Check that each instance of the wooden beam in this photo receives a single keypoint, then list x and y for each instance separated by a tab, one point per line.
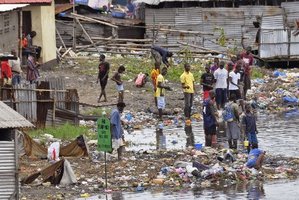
61	40
89	38
84	18
122	39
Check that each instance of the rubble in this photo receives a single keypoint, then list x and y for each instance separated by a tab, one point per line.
277	92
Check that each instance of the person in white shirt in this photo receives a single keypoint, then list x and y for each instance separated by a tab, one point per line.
15	68
233	82
221	76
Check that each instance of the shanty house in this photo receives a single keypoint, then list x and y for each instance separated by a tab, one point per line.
39	16
223	25
10	26
10	120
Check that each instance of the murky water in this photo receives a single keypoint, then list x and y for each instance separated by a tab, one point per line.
276	136
281	190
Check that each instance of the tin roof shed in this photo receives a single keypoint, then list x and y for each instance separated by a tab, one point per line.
9	118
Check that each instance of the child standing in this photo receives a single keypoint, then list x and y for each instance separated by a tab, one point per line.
249	121
119	83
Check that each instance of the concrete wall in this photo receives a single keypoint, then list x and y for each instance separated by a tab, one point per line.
43	22
9	31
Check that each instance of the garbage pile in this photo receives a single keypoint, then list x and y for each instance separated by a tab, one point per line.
210	167
277	92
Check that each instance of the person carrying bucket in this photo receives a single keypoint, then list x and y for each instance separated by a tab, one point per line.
249	121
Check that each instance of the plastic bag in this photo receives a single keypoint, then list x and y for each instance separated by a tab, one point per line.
53	152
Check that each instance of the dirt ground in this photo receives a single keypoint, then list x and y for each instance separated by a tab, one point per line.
90	174
136	99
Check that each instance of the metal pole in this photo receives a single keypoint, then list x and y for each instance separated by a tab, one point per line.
106	170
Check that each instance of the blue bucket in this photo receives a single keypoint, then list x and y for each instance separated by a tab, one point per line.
198	146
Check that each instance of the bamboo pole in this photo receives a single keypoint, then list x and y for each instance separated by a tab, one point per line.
84	18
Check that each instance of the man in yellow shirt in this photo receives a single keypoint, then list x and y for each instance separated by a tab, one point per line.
160	92
154	74
187	80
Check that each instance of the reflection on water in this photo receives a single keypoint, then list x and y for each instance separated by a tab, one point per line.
276	136
253	191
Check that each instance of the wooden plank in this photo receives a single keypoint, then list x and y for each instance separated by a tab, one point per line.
121	39
89	38
93	20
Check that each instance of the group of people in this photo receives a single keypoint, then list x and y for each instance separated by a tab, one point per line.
11	70
224	85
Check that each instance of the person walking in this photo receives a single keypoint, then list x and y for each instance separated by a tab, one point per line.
117	130
119	83
221	76
32	70
160	92
154	74
103	73
187	80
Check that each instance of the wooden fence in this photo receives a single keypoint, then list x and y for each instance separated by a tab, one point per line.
40	102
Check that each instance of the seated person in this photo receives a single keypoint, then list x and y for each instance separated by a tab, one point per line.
141	79
255	157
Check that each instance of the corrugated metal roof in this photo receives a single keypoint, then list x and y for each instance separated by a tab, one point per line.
9	118
24	1
156	2
291	9
273	43
8	7
7	170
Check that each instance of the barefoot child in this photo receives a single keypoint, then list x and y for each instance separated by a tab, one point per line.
119	83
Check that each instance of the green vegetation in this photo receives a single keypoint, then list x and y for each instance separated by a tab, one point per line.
65	132
257	72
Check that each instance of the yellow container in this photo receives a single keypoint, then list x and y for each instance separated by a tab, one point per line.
246	143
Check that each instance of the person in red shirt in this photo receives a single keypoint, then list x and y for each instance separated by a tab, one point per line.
6	73
248	59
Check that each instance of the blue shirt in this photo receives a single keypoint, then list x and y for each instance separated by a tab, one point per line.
250	123
252	157
116	124
130	7
162	52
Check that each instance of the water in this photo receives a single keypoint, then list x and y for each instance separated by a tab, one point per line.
276	136
279	190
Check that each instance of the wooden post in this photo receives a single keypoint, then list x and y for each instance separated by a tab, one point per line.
21	33
74	27
54	108
61	39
